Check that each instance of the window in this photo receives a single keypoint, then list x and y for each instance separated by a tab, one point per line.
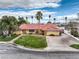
31	30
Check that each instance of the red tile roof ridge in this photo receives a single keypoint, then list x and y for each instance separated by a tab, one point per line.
38	26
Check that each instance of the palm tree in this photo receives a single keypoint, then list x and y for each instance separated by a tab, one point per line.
39	16
49	18
54	20
27	20
65	22
26	17
32	18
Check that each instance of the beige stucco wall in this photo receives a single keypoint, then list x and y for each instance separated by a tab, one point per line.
45	32
18	32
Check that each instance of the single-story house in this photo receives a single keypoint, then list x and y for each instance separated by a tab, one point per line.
44	29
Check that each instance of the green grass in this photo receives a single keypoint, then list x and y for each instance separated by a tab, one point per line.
32	41
7	38
75	46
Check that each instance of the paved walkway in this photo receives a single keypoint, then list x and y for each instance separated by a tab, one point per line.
60	42
12	41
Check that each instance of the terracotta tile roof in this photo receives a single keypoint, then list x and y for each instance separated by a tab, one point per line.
39	26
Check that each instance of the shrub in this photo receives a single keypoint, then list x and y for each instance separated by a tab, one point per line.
75	46
7	38
74	33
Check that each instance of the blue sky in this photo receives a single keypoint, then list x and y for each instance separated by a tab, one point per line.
66	7
30	7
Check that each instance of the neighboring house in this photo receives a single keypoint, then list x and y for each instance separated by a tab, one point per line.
44	29
18	32
76	25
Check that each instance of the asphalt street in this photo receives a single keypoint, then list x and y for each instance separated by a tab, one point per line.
8	51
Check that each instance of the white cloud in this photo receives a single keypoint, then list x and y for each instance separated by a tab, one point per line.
24	14
45	15
71	17
29	3
33	12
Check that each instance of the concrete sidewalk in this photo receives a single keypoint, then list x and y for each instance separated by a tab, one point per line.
12	41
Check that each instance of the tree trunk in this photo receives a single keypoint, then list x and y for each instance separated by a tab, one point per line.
10	32
5	32
38	21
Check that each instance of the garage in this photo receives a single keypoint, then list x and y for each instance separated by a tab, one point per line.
53	33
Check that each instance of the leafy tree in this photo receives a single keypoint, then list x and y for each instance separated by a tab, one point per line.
13	24
22	20
39	16
74	30
8	24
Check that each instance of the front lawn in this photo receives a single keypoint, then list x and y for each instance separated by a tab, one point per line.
7	38
75	46
32	41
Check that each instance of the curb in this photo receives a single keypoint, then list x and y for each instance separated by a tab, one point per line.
15	38
39	50
66	32
3	42
29	49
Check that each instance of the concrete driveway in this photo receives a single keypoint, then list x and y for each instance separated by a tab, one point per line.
60	42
